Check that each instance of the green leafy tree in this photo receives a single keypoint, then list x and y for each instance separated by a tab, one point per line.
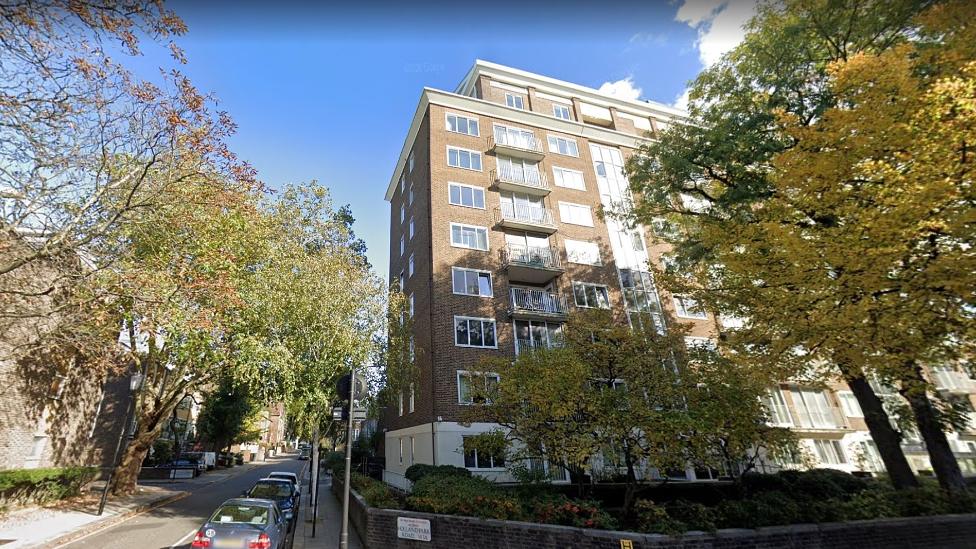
228	415
820	191
638	399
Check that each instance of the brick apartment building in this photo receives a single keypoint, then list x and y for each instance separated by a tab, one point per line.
495	238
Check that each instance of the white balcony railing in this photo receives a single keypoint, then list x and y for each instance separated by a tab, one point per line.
819	418
520	176
522	142
529	345
951	380
527	300
540	257
520	213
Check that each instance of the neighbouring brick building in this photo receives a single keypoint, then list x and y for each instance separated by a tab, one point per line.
495	238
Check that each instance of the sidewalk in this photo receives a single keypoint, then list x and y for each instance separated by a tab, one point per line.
328	525
73	518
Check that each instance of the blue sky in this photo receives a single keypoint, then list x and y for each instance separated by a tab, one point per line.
328	94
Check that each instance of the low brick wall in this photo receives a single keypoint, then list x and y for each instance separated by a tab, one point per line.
378	530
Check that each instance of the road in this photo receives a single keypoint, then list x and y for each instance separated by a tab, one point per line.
173	525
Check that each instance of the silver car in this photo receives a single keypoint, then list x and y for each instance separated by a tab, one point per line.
244	523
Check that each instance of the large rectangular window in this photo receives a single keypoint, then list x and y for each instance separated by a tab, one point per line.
462	124
514	101
849	404
830	451
561	111
473	387
469	236
474	332
687	307
585	253
592	296
536	334
463	158
575	214
466	195
480	459
515	137
779	413
814	409
471	282
570	179
561	145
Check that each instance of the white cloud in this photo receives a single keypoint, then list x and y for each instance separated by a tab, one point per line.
681	102
719	24
623	89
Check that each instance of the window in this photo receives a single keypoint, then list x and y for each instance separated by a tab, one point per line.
412	352
410	265
687	307
472	282
411	402
585	253
403	183
474	332
486	383
830	451
400	407
412	449
469	236
560	111
463	158
475	459
871	456
849	404
411	161
592	296
410	198
641	299
400	440
411	305
814	410
403	213
403	245
466	195
516	137
576	214
561	145
411	228
514	101
779	413
535	334
518	170
571	179
403	280
462	124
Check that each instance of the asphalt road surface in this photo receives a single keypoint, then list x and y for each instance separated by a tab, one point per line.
174	525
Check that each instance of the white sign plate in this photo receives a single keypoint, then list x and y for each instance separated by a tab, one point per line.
411	528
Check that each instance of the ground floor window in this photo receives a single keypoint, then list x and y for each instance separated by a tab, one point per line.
829	451
475	459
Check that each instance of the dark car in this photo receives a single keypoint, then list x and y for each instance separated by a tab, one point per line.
280	491
304	453
243	522
187	463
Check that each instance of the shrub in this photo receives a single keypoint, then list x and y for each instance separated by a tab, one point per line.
162	452
333	461
420	470
463	495
559	509
39	486
820	484
694	515
652	518
376	493
763	509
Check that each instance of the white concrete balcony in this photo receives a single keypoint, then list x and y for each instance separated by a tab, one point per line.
532	182
530	303
524	146
532	264
526	218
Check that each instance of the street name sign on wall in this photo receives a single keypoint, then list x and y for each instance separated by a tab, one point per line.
411	528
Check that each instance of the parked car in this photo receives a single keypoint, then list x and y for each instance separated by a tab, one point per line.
304	454
244	522
279	490
290	477
188	462
209	459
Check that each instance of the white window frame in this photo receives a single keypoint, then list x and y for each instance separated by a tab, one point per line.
400	441
849	404
411	231
556	180
559	107
403	213
550	138
491	282
481	319
517	101
474	189
481	160
778	401
403	244
403	280
410	196
403	183
484	375
413	450
574	206
400	406
477	459
411	403
466	226
606	293
477	123
410	265
682	310
836	448
411	161
573	257
411	306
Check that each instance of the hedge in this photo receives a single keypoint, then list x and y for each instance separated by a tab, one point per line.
39	486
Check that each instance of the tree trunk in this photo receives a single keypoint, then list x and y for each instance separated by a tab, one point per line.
127	473
631	490
886	437
915	391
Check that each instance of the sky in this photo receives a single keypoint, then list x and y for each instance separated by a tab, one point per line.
327	93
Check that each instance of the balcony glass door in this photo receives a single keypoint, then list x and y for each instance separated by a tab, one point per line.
514	137
522	207
529	249
519	171
532	334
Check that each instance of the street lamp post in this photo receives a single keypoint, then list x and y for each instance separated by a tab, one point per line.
344	532
135	383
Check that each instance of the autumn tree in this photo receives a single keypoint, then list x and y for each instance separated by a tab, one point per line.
820	191
613	397
228	414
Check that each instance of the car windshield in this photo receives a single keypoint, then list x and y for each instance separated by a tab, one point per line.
270	490
241	514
